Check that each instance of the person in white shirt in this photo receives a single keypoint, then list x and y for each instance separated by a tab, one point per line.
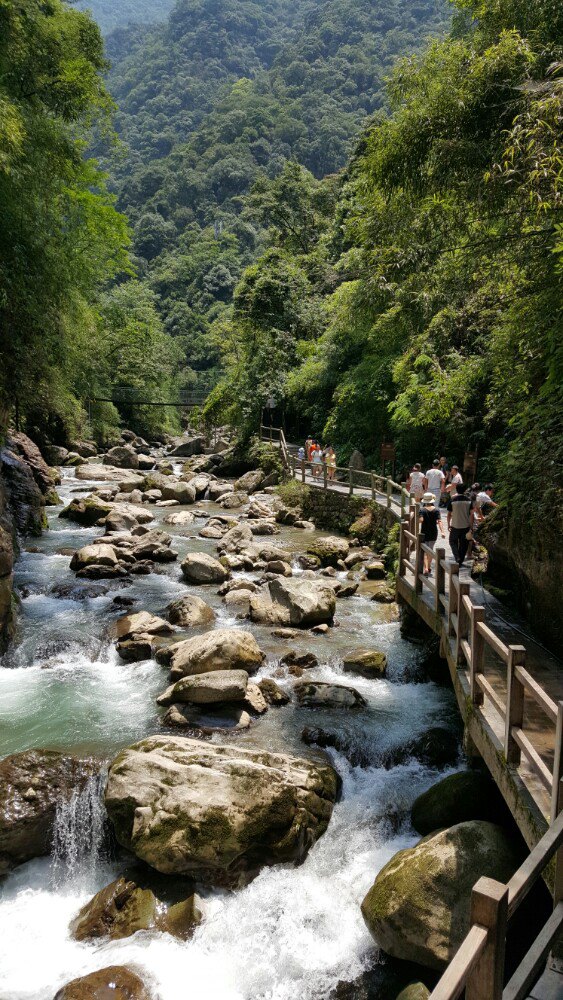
484	501
416	483
455	480
435	480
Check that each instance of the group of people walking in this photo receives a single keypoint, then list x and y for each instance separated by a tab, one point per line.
318	456
466	508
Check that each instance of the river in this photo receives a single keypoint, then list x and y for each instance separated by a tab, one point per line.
293	932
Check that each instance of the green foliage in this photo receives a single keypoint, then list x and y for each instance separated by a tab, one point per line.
111	15
266	457
292	493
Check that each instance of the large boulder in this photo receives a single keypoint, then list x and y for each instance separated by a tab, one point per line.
178	490
207	689
31	784
87	510
329	549
114	983
308	602
100	555
86	449
218	813
319	694
192	446
127	479
123	456
24	446
141	622
459	798
418	906
199	567
236	539
218	490
25	499
250	482
222	649
123	908
366	662
190	612
55	454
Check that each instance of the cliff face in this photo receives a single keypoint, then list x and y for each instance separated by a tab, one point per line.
26	485
528	564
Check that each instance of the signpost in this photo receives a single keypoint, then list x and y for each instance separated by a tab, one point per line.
388	454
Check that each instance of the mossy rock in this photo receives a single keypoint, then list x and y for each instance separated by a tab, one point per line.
115	912
414	991
418	906
469	795
366	663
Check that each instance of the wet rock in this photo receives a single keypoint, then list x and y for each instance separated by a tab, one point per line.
315	736
190	612
31	784
198	567
304	660
86	449
437	747
232	501
250	482
236	539
255	701
183	493
146	462
136	648
286	633
383	594
375	570
141	621
238	602
55	455
207	689
191	446
218	490
204	720
306	602
211	531
279	567
24	498
459	798
114	983
273	694
100	555
229	811
122	457
414	991
329	549
79	592
117	911
365	662
127	479
320	629
179	517
264	528
318	694
222	649
418	906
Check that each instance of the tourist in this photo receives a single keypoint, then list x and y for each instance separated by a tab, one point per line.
330	459
454	480
484	501
301	454
460	522
308	447
316	459
435	479
444	467
430	523
416	483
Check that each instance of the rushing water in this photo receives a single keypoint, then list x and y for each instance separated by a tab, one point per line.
293	932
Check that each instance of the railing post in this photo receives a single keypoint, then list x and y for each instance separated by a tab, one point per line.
325	475
453	580
418	564
293	466
462	620
489	909
477	654
557	790
440	578
372	480
351	476
389	491
403	497
403	546
514	703
303	463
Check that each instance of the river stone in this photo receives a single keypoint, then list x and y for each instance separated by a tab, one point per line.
437	747
250	482
238	601
221	649
236	539
319	694
123	456
198	567
273	694
217	812
205	720
414	991
178	517
255	701
179	491
136	648
461	797
218	490
309	602
191	446
141	621
101	555
329	549
190	612
207	689
31	784
114	983
86	511
375	570
117	911
124	477
418	906
365	662
231	501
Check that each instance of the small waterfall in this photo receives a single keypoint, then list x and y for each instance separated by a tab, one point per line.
80	836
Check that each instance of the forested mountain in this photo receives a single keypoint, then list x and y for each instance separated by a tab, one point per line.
110	14
221	95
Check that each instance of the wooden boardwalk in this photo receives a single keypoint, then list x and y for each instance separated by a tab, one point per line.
509	690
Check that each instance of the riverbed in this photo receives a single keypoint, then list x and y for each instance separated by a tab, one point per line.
293	932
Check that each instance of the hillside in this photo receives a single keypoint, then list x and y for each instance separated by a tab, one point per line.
111	15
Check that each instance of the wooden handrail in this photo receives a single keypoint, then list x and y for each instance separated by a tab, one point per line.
452	983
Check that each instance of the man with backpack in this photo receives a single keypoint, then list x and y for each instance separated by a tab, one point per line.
460	522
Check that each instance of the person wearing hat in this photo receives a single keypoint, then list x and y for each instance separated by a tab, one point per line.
430	523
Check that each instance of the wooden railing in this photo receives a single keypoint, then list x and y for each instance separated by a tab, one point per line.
359	481
470	639
478	965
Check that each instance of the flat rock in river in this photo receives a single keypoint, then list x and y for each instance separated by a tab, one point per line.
318	694
221	649
111	474
217	812
198	567
207	689
190	612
